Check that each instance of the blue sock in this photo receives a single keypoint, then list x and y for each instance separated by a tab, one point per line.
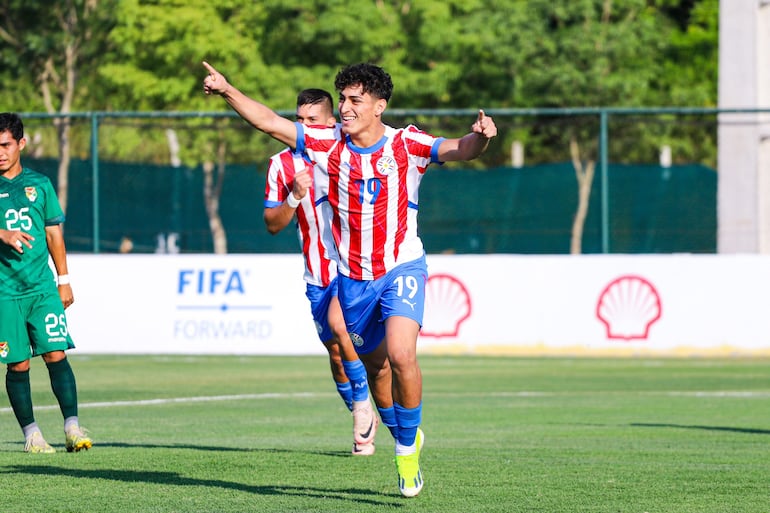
346	392
356	373
408	420
388	416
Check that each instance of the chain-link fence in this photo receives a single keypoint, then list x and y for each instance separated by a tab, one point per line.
137	181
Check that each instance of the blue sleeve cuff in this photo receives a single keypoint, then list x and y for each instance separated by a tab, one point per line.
300	137
434	150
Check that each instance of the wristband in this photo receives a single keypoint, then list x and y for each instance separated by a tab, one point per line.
292	201
64	279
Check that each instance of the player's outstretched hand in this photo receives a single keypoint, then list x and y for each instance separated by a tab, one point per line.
485	126
215	82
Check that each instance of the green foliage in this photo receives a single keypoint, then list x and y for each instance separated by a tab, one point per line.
160	49
145	55
42	37
692	66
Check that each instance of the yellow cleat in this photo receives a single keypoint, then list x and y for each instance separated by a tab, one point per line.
77	439
409	475
36	444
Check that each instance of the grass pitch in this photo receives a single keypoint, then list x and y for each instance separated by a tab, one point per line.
269	434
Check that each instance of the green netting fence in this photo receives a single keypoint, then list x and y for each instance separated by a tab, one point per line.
530	210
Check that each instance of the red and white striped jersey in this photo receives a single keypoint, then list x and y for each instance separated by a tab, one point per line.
373	194
313	219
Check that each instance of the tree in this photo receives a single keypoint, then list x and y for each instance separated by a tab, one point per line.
141	55
53	45
160	49
584	173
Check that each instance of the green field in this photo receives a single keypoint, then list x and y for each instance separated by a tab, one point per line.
269	434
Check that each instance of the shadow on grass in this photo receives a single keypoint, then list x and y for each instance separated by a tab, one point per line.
212	448
174	479
751	431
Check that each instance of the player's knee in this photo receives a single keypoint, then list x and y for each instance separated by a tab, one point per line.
54	356
339	330
19	366
402	358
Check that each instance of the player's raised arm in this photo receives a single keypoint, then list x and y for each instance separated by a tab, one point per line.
257	114
472	144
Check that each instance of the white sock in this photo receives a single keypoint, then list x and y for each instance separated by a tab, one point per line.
70	422
30	429
405	450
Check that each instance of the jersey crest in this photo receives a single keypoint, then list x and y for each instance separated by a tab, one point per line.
31	193
386	165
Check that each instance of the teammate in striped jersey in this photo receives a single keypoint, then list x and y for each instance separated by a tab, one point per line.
372	173
32	320
289	189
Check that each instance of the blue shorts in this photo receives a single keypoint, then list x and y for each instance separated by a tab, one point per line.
320	297
366	304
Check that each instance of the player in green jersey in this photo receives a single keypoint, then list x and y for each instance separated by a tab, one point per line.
32	320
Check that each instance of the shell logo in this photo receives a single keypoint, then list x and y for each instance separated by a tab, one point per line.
447	306
628	306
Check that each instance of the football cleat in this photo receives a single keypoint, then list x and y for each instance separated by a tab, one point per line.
364	423
77	439
36	444
363	449
409	474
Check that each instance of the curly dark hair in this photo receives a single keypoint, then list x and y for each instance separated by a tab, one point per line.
12	122
372	78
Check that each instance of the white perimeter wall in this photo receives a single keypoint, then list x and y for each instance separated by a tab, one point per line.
622	305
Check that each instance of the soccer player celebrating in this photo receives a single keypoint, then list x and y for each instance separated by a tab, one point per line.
32	320
372	173
289	189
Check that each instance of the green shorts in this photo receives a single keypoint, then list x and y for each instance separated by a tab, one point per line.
31	326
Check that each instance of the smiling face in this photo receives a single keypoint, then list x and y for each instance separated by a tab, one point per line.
10	154
360	115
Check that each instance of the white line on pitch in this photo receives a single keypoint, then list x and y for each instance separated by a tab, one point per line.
277	395
178	400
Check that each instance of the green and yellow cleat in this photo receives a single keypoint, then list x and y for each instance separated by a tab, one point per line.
36	444
77	439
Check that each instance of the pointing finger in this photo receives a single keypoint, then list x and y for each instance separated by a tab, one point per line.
481	115
209	67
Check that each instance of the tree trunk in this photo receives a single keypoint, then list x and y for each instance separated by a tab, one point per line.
65	91
585	177
212	191
63	129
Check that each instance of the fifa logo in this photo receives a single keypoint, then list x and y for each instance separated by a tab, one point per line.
210	281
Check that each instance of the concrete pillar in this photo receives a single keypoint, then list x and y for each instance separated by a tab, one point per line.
743	198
